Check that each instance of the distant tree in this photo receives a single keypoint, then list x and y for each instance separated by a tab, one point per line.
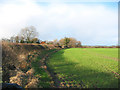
69	42
5	40
17	39
55	42
66	41
61	41
49	42
12	39
21	39
78	44
72	42
38	41
28	33
34	40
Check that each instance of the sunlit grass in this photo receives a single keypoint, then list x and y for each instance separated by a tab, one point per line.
77	65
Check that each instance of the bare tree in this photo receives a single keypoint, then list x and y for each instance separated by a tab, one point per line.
29	33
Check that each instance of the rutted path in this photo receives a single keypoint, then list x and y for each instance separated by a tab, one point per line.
51	73
55	80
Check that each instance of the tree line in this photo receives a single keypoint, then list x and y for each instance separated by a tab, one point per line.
66	42
30	35
26	35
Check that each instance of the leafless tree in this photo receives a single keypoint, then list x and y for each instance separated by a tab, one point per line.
28	33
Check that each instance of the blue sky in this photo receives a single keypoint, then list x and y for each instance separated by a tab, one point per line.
93	23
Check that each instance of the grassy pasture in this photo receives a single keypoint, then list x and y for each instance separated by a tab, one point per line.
86	67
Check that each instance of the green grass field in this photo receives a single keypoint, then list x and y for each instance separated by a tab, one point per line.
86	67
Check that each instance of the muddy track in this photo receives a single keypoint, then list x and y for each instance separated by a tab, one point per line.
49	71
54	77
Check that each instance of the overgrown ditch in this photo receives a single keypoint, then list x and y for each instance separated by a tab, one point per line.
47	77
25	65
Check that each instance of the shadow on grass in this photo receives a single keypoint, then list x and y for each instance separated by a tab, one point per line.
70	72
40	73
44	78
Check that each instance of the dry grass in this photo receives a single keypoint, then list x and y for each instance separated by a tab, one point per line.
16	63
32	83
27	80
30	72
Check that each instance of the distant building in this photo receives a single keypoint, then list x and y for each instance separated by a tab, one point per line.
42	42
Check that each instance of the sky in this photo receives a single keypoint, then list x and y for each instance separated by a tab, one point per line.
93	23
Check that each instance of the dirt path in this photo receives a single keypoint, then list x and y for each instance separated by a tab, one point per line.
54	78
51	73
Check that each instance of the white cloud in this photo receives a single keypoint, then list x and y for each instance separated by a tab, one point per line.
95	24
